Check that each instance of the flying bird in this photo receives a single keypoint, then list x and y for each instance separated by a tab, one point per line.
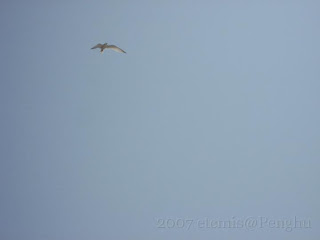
104	46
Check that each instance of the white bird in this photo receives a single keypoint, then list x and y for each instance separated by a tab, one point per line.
104	46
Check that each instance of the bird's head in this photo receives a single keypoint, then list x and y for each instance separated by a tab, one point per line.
105	44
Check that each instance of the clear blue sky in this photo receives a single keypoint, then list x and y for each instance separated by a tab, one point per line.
212	113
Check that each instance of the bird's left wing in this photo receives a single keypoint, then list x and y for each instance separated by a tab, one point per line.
97	46
115	48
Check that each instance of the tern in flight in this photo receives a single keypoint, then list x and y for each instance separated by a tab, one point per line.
104	46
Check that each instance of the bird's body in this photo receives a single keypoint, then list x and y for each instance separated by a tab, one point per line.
105	46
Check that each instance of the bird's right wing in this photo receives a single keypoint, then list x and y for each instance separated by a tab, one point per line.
115	48
97	46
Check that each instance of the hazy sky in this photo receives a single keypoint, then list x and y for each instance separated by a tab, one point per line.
213	113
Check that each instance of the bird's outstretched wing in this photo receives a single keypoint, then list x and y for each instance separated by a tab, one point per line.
97	46
115	48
